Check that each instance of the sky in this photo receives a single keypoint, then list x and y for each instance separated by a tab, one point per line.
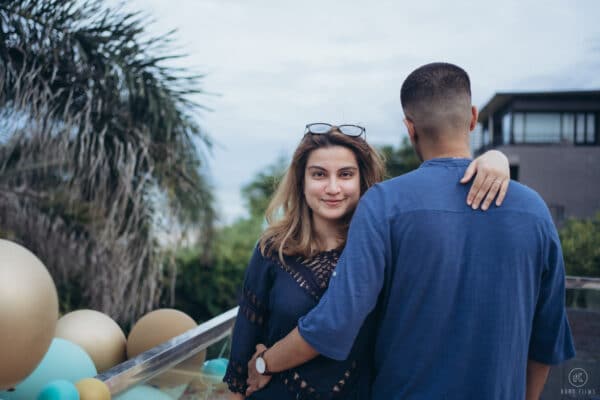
271	66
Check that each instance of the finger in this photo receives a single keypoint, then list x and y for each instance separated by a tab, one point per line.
484	188
476	187
469	172
491	194
503	190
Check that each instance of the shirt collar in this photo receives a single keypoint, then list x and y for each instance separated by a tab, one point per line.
446	162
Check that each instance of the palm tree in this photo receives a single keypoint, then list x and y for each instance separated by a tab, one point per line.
100	152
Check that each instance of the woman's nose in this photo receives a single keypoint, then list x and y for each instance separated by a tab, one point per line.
332	186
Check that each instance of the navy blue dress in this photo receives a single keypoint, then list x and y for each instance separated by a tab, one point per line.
274	296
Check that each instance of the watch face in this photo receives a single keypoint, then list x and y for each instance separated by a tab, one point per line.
260	365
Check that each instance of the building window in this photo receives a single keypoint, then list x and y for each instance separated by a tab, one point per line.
535	127
542	127
506	121
580	128
519	128
568	127
590	129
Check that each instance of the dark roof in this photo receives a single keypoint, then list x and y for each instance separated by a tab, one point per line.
501	99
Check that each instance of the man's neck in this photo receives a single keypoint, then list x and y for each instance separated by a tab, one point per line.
445	151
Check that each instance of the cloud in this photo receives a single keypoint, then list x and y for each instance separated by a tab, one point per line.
280	65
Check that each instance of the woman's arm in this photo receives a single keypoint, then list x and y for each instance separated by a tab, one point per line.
250	323
492	176
235	396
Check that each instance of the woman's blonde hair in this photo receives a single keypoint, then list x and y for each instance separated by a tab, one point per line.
289	230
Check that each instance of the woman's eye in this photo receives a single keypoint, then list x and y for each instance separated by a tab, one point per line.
317	174
347	174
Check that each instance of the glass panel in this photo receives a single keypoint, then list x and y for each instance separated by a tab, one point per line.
580	128
506	128
568	127
542	127
591	129
197	378
519	127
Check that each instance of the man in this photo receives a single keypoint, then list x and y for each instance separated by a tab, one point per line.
469	305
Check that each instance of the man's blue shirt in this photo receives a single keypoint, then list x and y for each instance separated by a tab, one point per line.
462	298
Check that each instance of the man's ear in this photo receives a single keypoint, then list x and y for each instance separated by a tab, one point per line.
474	116
410	127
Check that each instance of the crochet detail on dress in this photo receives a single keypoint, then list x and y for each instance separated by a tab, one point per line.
253	308
236	377
322	266
298	385
314	277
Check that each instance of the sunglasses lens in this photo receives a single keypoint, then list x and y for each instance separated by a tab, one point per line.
351	130
319	128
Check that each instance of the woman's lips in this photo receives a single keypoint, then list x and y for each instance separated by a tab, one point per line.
332	202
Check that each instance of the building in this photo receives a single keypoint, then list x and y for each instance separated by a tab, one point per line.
552	141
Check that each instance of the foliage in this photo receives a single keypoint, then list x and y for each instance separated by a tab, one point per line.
259	191
205	290
580	241
399	160
98	150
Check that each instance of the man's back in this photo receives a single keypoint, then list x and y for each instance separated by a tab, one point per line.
461	289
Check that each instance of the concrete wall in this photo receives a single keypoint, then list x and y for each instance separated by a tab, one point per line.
565	175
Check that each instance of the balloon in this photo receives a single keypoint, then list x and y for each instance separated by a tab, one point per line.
97	334
157	327
92	389
64	360
28	312
216	367
59	390
143	392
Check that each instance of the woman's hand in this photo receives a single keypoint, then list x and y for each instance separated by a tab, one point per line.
255	380
492	176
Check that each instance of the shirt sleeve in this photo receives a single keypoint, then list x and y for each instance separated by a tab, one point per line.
332	326
250	324
551	341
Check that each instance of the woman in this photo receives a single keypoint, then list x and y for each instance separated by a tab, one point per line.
289	271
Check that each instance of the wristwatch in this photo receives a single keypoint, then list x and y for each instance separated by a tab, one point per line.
261	364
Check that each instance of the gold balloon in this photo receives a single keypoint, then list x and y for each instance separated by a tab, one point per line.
157	327
92	389
28	312
97	334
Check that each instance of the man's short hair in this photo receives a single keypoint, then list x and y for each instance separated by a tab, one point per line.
437	98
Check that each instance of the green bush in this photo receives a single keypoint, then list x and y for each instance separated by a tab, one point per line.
581	246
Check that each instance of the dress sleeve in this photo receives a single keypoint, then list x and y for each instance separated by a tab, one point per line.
250	324
551	341
333	325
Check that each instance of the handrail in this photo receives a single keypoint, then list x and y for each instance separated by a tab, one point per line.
582	282
169	354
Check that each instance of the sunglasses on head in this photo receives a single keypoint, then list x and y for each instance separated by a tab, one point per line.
322	128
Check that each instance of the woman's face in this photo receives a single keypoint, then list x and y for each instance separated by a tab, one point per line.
331	183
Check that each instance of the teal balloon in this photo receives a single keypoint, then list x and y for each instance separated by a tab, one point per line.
59	390
64	360
216	367
143	392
